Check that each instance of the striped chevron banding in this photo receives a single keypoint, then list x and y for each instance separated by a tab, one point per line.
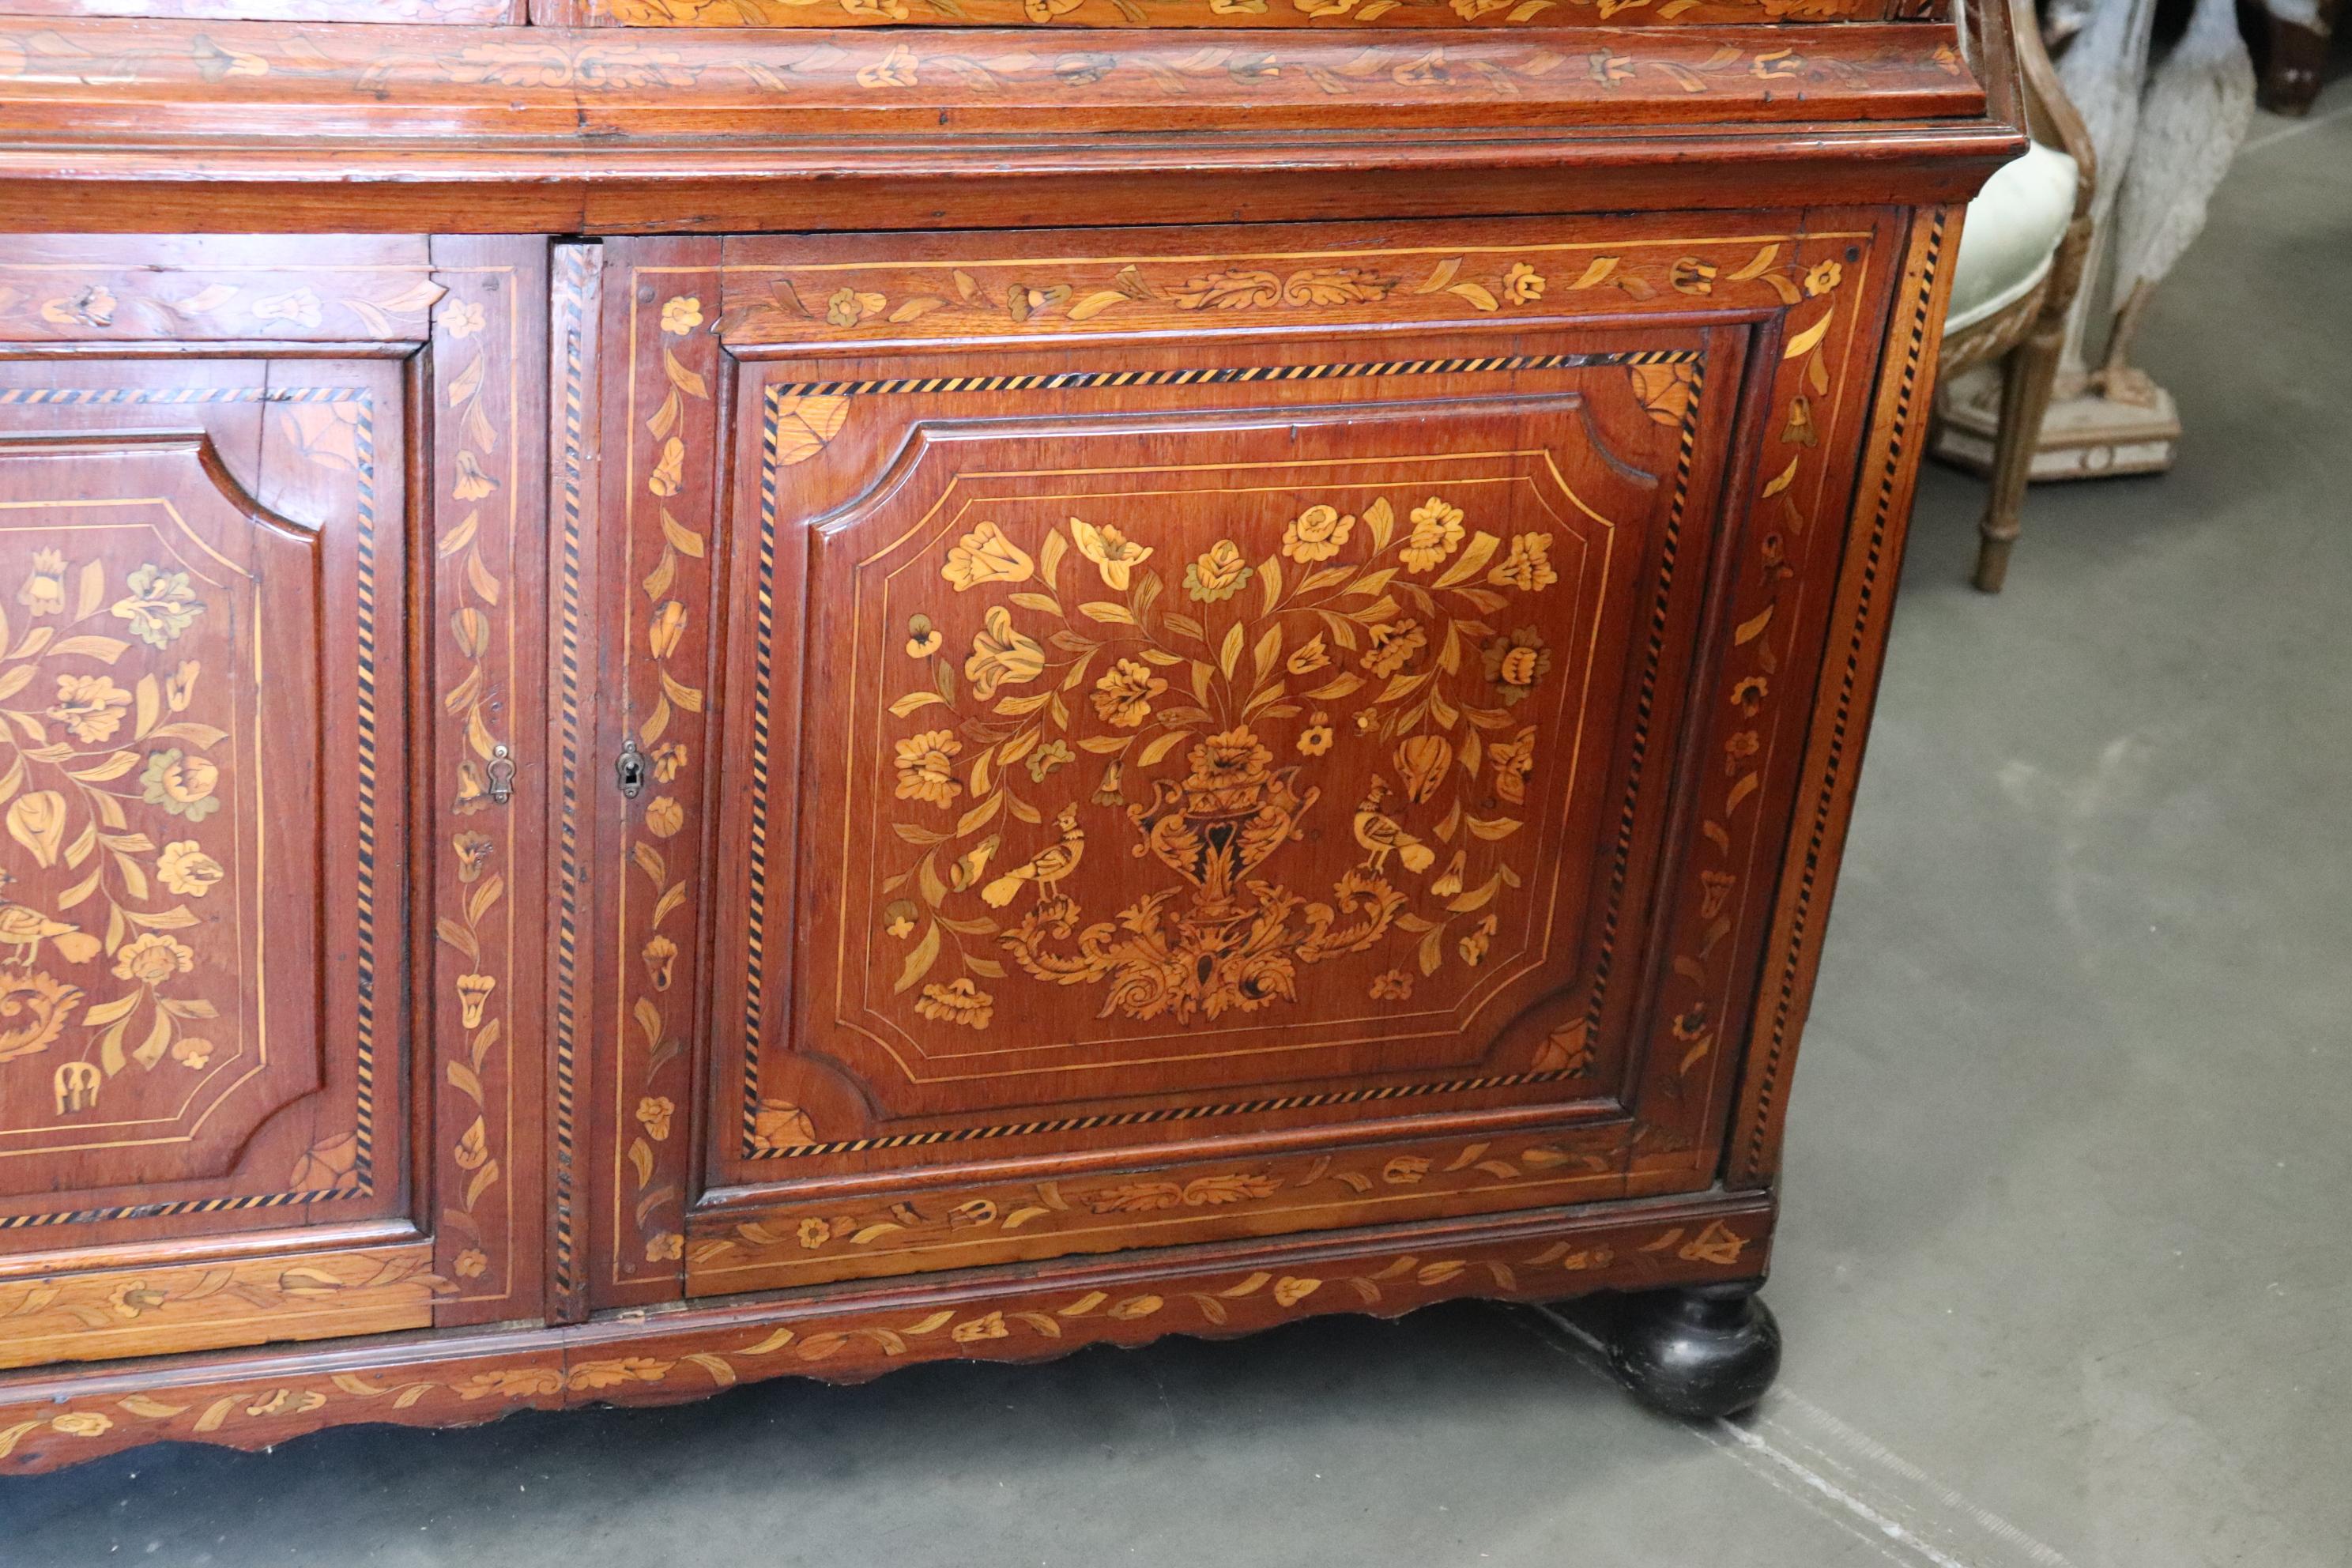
1172	1113
570	306
1622	857
762	680
171	396
363	1108
1068	380
364	1160
165	1211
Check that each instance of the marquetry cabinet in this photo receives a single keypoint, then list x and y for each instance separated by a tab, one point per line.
693	692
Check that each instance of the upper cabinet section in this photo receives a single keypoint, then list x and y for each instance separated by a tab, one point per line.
445	13
805	116
827	95
1339	15
1244	14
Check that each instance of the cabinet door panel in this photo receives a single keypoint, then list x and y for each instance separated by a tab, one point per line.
196	751
270	706
1172	762
1199	738
1228	739
159	820
204	805
1238	793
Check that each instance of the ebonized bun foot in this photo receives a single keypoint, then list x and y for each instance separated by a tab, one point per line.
1697	1354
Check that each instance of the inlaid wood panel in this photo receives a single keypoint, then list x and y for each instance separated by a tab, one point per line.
1848	684
885	1229
189	289
106	1313
205	806
487	777
1139	742
637	543
271	712
1409	618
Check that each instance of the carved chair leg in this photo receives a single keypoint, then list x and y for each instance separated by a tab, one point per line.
1700	1353
2027	375
2294	55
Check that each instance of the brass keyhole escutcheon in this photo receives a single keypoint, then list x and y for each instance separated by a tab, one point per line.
629	768
501	775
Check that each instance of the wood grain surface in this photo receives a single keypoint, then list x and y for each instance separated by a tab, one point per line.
693	691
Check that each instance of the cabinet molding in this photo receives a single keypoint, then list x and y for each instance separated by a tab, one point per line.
463	1379
1337	16
163	1311
900	78
576	299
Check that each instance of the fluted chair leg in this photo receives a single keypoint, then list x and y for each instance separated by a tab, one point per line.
2028	374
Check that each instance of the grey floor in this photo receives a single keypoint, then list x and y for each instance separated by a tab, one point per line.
2065	1269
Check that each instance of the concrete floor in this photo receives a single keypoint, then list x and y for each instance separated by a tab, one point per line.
2063	1272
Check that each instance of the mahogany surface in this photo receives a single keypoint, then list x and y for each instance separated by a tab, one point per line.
699	691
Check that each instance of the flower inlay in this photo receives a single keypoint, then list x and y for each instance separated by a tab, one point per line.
1358	676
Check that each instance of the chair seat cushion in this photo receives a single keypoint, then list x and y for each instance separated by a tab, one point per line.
2012	231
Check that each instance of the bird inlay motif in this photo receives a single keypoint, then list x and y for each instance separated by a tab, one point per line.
1226	693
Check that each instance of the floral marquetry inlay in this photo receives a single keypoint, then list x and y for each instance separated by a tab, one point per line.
1477	283
117	756
1044	1218
482	587
665	561
76	1317
1381	672
195	686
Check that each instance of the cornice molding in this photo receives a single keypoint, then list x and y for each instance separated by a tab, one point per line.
226	127
395	86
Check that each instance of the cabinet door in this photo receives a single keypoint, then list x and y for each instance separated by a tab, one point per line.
258	781
1208	735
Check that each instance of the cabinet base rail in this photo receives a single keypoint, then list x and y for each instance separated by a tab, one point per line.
253	1399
